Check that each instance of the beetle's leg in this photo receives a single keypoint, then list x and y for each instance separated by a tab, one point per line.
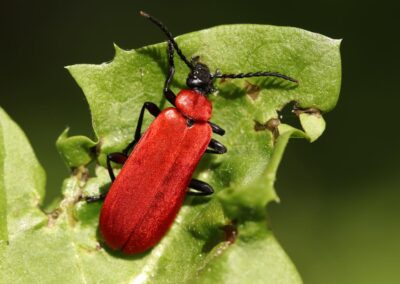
155	111
90	199
216	129
202	188
118	158
216	147
171	71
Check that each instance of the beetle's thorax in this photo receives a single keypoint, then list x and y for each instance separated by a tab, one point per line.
194	105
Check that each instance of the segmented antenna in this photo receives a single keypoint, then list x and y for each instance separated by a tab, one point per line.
169	36
255	74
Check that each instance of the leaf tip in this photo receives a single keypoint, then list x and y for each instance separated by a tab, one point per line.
338	42
71	69
68	67
118	50
63	135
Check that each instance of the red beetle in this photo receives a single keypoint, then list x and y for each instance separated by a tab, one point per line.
145	198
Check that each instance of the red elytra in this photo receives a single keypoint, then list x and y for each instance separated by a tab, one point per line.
149	190
145	198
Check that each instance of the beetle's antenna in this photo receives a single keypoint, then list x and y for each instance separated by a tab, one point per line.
169	36
255	74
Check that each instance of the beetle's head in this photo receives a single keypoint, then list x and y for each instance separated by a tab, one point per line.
200	78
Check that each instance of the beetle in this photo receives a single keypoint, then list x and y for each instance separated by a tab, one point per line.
157	170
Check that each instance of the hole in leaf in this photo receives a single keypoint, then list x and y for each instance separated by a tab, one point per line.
311	110
288	116
271	125
231	232
252	90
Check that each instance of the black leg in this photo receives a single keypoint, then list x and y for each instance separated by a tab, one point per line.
216	147
155	111
90	199
171	71
202	188
118	158
216	129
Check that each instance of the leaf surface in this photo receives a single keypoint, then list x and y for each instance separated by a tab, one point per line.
224	238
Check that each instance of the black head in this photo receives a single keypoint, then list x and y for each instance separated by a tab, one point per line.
200	79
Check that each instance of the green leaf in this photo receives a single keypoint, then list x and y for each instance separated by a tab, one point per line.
224	238
22	184
255	259
75	151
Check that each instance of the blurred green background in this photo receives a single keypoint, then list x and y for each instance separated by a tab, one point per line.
339	215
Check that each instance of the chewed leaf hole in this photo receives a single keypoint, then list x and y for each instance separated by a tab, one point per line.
270	125
253	91
311	110
231	232
308	121
288	116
